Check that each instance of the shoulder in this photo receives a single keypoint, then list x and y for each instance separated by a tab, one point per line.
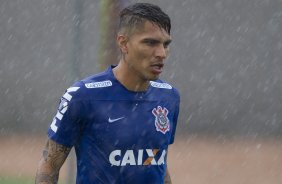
83	88
165	88
99	80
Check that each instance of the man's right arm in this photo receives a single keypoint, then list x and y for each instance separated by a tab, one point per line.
53	157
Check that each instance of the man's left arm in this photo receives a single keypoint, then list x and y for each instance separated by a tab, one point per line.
167	179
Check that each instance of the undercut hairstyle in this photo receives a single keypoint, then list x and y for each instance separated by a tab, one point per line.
135	15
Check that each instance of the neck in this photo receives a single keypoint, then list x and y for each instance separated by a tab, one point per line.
129	79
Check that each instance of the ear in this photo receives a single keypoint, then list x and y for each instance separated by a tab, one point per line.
122	43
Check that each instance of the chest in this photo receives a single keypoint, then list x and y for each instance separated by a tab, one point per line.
130	124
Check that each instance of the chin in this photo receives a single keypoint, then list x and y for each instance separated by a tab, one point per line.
153	78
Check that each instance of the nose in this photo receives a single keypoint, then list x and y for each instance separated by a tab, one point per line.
161	52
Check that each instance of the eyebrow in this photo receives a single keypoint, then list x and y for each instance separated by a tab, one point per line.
167	42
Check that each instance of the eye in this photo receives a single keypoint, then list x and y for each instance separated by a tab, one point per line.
166	44
151	42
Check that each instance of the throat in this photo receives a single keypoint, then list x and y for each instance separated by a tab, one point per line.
131	83
140	87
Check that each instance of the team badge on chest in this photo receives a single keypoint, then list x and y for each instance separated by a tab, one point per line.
161	119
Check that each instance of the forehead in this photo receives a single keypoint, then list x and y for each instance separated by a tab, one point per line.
150	30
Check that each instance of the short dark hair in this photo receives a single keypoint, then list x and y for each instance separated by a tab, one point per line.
136	14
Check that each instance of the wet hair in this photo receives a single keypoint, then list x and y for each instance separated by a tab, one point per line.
135	15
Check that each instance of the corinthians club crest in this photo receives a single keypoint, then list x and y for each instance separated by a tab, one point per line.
161	120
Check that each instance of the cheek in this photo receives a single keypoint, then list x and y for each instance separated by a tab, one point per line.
145	53
140	55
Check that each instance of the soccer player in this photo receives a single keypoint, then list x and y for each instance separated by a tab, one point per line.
120	121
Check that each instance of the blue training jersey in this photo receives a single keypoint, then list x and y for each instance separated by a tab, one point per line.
119	136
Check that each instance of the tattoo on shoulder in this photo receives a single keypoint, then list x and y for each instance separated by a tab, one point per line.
55	147
45	151
55	154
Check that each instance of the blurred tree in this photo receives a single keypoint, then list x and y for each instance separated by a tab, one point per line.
76	46
109	19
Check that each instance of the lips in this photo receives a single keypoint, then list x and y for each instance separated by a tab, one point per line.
157	68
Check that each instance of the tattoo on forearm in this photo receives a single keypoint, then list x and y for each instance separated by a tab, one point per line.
47	178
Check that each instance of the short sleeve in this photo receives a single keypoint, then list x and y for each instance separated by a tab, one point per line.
67	124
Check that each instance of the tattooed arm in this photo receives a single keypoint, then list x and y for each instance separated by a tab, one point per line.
54	155
167	179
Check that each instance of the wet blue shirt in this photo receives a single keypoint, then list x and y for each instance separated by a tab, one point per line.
119	136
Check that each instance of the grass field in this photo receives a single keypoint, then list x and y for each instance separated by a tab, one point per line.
15	180
18	180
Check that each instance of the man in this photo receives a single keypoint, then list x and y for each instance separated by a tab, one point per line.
120	121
